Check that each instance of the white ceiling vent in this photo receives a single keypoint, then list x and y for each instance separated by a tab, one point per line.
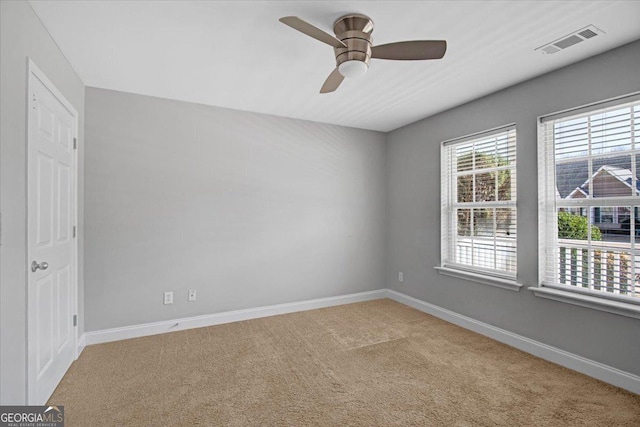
569	40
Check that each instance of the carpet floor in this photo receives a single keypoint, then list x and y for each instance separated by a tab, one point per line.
377	363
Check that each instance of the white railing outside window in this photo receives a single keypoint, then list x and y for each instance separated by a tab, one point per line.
589	190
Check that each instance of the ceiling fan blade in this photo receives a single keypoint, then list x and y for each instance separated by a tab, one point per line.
332	82
411	50
308	29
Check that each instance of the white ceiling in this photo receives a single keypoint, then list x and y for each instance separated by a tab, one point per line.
236	54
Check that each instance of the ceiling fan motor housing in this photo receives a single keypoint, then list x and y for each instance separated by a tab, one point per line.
354	31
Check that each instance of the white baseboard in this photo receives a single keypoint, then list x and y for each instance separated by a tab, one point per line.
126	332
82	342
577	363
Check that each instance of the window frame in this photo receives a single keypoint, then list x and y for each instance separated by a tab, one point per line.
623	305
449	267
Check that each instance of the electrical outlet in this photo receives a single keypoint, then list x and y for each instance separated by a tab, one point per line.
400	276
168	298
192	294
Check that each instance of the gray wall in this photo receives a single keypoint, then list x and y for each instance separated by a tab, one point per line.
22	35
414	211
248	209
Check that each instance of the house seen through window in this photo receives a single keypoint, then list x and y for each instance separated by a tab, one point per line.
592	201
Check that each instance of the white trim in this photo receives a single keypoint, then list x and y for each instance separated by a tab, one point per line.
596	202
504	283
82	343
480	134
146	329
602	372
589	108
597	303
36	72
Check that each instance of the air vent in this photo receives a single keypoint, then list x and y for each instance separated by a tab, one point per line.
587	34
569	40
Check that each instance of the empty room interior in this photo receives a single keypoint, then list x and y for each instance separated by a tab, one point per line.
367	213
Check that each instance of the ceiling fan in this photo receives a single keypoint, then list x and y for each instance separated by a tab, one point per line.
353	47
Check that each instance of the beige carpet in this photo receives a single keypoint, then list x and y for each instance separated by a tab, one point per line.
375	363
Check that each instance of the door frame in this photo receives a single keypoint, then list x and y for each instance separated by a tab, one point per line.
34	72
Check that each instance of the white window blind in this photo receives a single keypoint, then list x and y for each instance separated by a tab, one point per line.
478	229
589	190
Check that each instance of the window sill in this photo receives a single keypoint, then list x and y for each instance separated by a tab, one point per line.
484	279
616	307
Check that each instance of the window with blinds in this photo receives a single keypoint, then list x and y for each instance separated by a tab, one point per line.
479	202
589	189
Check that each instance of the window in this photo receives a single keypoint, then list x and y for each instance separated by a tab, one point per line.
589	186
479	203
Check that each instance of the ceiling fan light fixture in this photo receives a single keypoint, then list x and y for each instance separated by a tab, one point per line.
353	68
353	47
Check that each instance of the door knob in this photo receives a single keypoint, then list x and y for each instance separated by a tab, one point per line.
42	266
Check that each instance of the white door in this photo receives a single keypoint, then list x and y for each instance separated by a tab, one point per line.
51	194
